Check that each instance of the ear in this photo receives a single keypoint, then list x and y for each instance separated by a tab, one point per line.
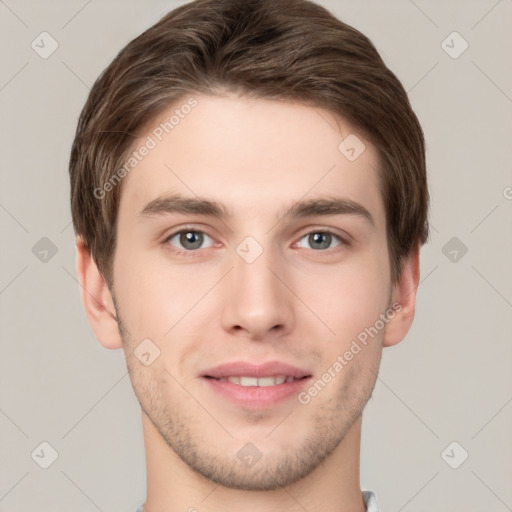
96	299
404	296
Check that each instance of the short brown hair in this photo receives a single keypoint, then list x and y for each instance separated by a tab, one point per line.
276	49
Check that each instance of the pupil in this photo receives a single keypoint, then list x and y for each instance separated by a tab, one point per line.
189	237
316	238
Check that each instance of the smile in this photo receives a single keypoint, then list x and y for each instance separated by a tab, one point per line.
257	381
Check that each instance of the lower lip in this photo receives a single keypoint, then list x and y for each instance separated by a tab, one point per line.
257	397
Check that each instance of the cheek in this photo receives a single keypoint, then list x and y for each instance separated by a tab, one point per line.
137	293
352	296
155	294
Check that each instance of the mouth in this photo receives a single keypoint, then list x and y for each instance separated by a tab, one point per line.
248	381
253	386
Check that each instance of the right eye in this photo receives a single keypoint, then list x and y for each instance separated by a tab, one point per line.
189	239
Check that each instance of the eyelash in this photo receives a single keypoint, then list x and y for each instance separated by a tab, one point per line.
195	252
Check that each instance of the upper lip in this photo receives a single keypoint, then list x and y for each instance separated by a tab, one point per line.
247	369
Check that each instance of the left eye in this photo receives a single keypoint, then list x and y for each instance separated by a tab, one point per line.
189	239
321	239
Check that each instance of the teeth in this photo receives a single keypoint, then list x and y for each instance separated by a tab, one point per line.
255	381
248	381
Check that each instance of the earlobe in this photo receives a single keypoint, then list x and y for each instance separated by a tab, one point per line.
404	295
97	299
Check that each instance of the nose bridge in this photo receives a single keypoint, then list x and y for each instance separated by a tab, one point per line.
257	300
253	263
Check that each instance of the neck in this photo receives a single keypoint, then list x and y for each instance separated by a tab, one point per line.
172	485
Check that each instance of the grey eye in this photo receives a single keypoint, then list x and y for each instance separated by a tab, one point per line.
320	239
189	239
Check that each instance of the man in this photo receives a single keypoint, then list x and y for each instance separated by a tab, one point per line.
248	190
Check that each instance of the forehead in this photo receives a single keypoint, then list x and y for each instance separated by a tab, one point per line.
251	155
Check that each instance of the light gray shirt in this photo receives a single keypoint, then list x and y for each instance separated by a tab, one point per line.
368	497
370	501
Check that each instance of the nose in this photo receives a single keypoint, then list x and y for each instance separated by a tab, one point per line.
257	303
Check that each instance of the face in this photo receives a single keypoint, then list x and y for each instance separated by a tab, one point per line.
232	300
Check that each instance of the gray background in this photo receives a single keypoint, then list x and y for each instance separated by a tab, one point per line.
450	380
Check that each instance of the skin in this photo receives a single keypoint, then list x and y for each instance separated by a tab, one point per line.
296	303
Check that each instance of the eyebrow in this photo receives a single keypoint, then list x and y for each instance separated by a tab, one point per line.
325	206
